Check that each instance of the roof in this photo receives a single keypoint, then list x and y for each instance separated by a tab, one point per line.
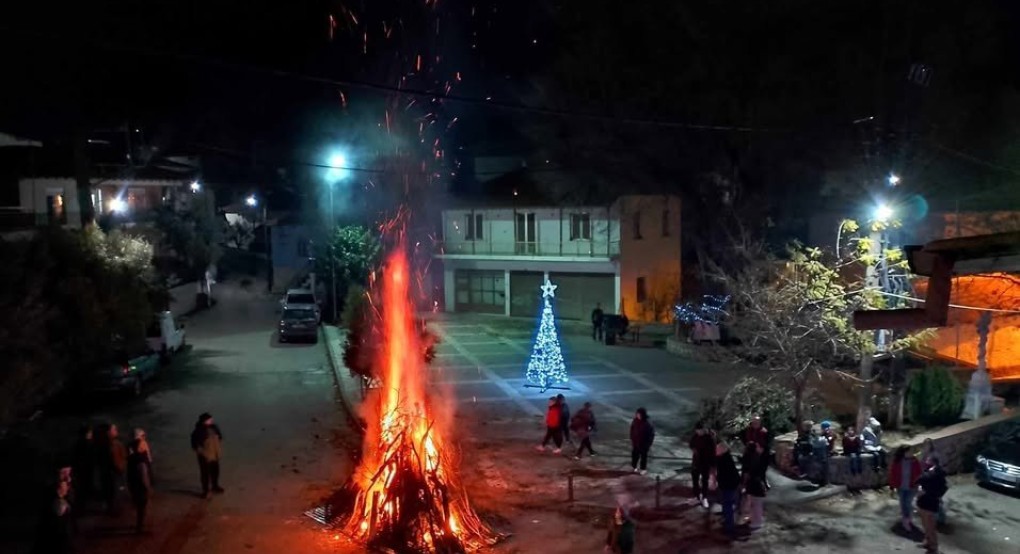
970	255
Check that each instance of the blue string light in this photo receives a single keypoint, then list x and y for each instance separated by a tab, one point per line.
546	367
711	309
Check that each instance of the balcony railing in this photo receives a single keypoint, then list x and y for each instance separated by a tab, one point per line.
564	249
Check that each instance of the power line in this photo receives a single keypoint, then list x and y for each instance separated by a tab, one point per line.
389	89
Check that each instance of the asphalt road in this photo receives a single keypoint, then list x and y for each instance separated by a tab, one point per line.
284	439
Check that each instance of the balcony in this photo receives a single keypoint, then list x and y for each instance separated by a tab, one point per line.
565	249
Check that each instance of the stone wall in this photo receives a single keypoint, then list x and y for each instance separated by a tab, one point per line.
953	445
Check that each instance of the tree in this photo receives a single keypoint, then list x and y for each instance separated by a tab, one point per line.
792	315
193	234
546	367
353	253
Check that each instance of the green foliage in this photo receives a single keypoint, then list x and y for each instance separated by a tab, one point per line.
194	234
935	397
751	396
353	252
68	301
360	317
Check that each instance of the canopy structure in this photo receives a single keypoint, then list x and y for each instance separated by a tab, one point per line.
940	261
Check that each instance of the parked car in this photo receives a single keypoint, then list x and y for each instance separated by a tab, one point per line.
302	299
127	374
299	323
999	465
164	335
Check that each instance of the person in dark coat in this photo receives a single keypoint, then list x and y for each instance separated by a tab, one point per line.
56	528
728	479
757	433
702	445
207	442
933	486
642	435
621	537
564	417
583	425
753	484
553	429
597	318
83	468
112	462
139	481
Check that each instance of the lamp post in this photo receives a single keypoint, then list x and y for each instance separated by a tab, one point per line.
253	202
337	171
876	277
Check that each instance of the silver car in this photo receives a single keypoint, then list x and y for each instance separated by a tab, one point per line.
302	298
299	323
1000	465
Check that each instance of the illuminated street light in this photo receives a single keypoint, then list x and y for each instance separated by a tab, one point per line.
337	167
251	201
118	206
195	186
883	213
894	179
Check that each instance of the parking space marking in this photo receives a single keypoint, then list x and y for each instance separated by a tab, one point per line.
668	393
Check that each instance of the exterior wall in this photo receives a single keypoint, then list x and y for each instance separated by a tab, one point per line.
551	233
654	256
141	196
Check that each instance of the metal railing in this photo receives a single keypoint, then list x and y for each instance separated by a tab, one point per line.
565	249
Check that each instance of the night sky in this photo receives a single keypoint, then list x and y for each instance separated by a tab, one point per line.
765	95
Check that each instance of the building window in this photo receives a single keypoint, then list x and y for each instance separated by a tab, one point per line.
637	225
580	226
524	232
642	294
665	223
480	288
473	230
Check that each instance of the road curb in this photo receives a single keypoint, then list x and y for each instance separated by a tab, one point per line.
346	384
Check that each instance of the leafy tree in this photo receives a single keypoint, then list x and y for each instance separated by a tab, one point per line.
935	397
193	234
353	253
792	315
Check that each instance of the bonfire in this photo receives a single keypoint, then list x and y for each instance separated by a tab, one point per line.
405	494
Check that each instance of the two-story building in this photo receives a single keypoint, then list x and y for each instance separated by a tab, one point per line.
624	256
54	200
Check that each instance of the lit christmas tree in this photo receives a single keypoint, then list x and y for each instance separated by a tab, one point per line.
546	368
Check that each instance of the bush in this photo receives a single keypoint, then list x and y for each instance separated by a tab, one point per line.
934	397
751	396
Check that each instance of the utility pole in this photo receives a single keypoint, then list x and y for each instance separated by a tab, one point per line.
332	253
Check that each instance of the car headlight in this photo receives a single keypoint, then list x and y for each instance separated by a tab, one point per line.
981	460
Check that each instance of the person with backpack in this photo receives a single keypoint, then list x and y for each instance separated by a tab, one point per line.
642	435
933	487
553	430
583	425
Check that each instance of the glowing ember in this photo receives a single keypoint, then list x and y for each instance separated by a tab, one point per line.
407	497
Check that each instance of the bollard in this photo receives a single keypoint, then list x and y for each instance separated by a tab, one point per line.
570	487
658	494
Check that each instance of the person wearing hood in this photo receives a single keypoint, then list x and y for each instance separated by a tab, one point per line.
620	539
871	436
206	441
642	435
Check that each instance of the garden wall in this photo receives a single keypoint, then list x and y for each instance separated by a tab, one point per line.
954	445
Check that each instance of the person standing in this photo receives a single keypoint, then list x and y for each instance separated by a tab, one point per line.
757	433
583	425
56	528
728	479
642	435
597	318
930	458
553	430
207	442
564	418
820	457
139	481
754	485
702	446
852	449
83	468
903	476
112	462
621	537
933	486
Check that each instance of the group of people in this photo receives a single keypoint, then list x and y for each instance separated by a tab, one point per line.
559	425
102	465
814	447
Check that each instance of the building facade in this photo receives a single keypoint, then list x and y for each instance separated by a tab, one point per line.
625	256
54	200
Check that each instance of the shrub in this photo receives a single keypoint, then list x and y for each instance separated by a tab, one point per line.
751	396
934	397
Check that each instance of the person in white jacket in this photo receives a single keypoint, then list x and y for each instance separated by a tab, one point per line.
872	439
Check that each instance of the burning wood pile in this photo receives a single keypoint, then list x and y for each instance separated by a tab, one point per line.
405	496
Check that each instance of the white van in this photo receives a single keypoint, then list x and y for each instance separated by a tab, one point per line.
164	335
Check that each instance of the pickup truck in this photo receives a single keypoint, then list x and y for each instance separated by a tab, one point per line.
164	335
129	374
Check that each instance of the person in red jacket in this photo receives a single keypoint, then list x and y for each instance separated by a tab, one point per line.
903	475
553	429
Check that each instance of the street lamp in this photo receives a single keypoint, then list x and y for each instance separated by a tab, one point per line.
195	186
251	201
883	213
894	179
337	171
118	206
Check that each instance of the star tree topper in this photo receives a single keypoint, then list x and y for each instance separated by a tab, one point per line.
548	289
